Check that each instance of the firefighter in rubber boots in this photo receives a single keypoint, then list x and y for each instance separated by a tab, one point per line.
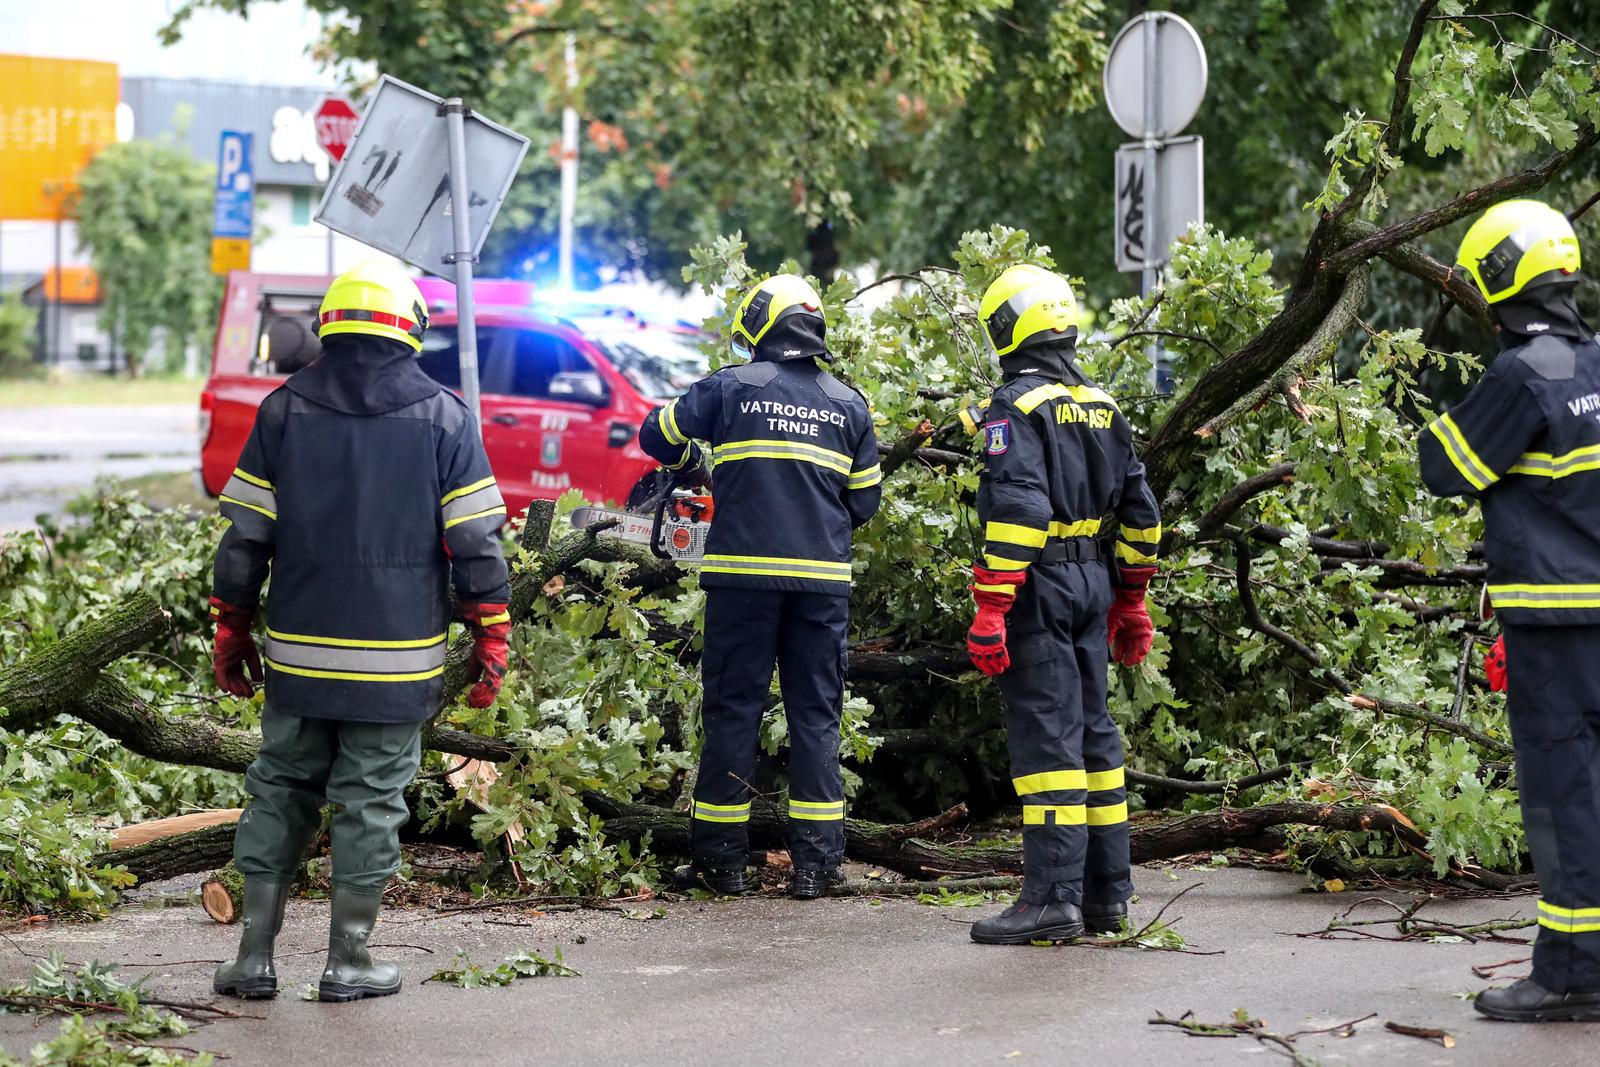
796	472
1058	457
1526	443
365	492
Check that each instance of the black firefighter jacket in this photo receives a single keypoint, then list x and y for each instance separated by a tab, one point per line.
1059	458
1526	443
365	490
796	472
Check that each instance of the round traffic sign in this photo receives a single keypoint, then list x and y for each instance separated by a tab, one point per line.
1180	75
336	123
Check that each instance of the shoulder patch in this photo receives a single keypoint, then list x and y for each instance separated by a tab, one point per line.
756	374
997	437
1550	358
834	389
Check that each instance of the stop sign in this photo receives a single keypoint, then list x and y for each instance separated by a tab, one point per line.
336	126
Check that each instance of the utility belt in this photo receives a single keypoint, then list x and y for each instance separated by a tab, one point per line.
1071	550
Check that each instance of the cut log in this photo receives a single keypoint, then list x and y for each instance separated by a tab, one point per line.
141	833
222	895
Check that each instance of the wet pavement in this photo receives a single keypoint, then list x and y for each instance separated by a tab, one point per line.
49	455
852	980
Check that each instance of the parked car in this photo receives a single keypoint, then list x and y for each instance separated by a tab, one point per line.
564	386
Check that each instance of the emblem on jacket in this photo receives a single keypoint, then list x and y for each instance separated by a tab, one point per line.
997	436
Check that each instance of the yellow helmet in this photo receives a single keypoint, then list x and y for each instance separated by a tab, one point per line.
1027	305
376	298
1516	245
778	297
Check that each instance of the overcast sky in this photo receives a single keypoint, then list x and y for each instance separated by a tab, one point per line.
269	48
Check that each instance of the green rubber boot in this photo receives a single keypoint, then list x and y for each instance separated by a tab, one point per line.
251	976
351	974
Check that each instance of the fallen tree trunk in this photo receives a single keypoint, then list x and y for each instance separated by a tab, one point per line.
141	833
169	857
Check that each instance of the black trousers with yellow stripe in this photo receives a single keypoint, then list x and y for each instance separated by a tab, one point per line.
1066	754
1555	726
746	632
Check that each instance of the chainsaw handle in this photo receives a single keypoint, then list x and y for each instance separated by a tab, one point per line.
663	494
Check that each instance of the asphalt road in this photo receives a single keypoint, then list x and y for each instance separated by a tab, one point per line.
50	455
771	981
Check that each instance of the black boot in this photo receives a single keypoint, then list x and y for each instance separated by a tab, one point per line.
251	976
809	883
351	974
724	883
1527	1001
1023	923
1104	918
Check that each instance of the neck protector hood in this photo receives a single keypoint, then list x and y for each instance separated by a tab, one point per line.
1543	309
1052	360
793	337
363	375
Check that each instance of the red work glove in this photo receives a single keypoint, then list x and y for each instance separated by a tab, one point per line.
1494	665
234	649
1128	627
490	625
986	639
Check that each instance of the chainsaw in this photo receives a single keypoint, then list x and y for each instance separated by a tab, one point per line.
673	522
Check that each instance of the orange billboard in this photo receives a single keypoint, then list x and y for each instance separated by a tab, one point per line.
55	114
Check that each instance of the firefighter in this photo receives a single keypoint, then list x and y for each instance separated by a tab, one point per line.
1058	458
365	491
1526	443
796	472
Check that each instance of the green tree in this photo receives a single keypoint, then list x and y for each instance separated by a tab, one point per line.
144	216
17	324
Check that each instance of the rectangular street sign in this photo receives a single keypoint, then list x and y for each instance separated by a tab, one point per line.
229	253
234	214
392	190
1180	185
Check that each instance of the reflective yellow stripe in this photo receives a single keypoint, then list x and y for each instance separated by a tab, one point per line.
732	451
1082	394
1461	455
1009	590
273	515
1081	528
688	453
240	472
1100	781
352	642
1545	465
865	479
1568	920
722	812
501	510
826	563
1107	814
1001	563
1012	534
465	489
1151	535
817	811
1061	814
669	425
1545	596
1045	781
494	620
1128	554
355	676
771	572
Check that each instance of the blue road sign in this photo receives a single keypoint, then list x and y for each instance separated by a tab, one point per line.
236	193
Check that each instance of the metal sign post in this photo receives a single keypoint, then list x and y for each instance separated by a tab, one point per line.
426	191
463	257
1155	78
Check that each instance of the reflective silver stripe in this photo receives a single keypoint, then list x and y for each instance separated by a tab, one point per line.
822	457
486	499
1545	596
245	493
364	660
